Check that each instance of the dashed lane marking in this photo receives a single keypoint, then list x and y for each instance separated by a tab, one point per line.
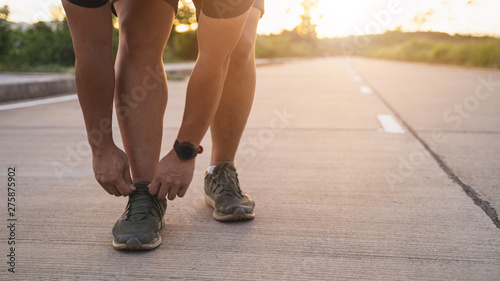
366	90
389	124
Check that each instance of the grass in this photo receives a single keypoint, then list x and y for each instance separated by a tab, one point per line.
38	68
432	48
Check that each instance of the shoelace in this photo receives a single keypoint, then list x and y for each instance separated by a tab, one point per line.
226	181
140	204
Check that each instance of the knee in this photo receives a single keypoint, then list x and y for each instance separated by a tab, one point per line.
134	40
245	50
88	50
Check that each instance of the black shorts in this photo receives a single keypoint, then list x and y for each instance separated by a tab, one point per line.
88	3
223	9
213	8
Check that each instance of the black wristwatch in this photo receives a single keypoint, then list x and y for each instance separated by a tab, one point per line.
186	150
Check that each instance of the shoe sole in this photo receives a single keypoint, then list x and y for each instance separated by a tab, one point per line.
238	215
133	244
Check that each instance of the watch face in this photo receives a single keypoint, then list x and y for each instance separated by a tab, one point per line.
186	152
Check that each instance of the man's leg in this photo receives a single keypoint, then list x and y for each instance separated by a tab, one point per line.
91	31
237	96
217	38
141	84
227	127
141	98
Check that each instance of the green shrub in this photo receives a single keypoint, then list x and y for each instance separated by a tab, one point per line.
435	47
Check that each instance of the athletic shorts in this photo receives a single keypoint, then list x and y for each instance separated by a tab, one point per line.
221	9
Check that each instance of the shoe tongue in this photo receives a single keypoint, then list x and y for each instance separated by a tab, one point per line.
142	185
141	189
224	166
225	174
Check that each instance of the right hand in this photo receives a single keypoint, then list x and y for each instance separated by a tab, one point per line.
112	172
173	177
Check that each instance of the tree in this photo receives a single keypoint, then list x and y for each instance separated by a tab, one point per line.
186	14
5	32
183	45
306	28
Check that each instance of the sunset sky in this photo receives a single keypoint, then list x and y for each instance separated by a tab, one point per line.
341	18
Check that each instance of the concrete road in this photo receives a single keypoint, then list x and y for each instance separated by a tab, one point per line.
342	191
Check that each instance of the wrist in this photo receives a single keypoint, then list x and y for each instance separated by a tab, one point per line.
102	147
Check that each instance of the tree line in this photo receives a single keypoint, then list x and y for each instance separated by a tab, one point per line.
47	46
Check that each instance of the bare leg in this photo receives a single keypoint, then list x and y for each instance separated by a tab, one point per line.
217	38
237	96
91	31
141	83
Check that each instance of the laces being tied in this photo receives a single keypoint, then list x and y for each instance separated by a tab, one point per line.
140	205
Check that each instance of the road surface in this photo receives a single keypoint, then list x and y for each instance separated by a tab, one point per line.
361	169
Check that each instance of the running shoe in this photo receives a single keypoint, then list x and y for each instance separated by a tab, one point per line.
139	226
224	195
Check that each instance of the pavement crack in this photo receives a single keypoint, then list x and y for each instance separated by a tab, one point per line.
487	208
469	190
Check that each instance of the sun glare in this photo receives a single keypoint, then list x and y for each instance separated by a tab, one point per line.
332	17
280	15
182	28
335	18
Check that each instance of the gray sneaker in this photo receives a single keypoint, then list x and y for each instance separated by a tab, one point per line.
139	227
224	195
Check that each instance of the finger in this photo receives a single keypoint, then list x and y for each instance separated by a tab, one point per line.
164	189
123	188
110	183
182	191
184	187
112	189
174	189
106	188
154	186
128	179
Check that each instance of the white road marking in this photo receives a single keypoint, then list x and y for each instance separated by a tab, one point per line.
389	124
38	102
366	90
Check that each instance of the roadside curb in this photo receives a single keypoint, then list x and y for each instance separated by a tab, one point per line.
26	86
37	88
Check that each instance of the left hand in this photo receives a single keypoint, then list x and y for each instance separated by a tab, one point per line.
173	177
